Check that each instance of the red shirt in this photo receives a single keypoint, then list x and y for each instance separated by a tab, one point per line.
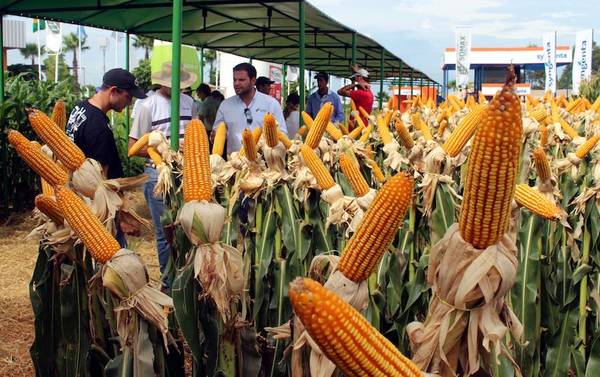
364	99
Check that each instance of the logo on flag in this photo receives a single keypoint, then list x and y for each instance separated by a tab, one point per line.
550	60
38	24
463	50
582	62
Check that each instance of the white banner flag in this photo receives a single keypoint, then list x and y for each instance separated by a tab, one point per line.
550	60
463	50
582	61
53	37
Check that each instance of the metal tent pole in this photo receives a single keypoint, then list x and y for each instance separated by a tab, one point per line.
412	79
126	108
302	46
201	73
2	59
283	83
400	85
176	72
381	72
354	48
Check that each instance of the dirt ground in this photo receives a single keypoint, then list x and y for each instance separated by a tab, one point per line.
17	259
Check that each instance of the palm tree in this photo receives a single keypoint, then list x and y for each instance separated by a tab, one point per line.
144	42
71	43
30	51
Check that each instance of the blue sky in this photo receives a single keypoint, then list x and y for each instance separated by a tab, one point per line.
417	30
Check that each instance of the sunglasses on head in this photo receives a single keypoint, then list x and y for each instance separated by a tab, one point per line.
248	115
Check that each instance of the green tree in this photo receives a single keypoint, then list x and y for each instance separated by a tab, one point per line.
30	51
209	58
71	44
142	74
49	64
144	42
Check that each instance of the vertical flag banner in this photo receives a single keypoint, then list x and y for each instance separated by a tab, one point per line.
550	60
38	24
53	37
582	61
463	50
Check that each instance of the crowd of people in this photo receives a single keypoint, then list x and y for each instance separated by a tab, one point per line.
89	126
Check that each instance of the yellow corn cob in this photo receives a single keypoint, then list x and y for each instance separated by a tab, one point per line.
554	113
531	99
376	170
463	131
562	101
64	149
47	189
356	132
303	130
364	112
542	166
385	134
441	116
573	104
154	156
537	203
355	177
314	163
543	135
319	126
570	131
59	114
37	160
388	118
284	139
256	134
352	105
88	228
247	139
219	142
377	228
596	105
308	121
492	170
482	100
359	122
48	206
421	126
366	133
270	128
403	134
197	183
586	147
454	103
333	131
430	103
470	102
548	96
443	126
138	145
344	129
538	114
345	336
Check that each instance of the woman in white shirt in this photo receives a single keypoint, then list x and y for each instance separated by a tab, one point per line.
291	114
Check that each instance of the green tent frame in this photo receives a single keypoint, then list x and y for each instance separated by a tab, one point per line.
285	32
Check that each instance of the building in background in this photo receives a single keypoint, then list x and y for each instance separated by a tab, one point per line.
489	65
14	35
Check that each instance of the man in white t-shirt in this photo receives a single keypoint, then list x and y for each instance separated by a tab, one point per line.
247	108
154	114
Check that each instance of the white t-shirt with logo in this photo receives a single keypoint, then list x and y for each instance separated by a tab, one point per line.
232	112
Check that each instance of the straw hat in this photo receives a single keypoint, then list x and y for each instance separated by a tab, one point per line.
163	77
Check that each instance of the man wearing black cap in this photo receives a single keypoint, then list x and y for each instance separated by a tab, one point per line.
263	85
89	127
322	96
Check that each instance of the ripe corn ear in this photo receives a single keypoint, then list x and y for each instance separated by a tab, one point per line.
314	163
333	131
376	170
284	139
570	131
138	145
586	147
319	126
542	166
88	228
403	134
492	170
377	228
197	183
154	156
537	203
345	336
59	114
64	149
352	172
463	131
270	130
48	206
421	126
366	133
37	160
219	142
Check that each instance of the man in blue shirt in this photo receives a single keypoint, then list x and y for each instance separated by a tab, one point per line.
322	96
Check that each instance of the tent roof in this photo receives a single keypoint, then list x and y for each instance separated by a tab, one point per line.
260	30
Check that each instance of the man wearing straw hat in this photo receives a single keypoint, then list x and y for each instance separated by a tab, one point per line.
154	114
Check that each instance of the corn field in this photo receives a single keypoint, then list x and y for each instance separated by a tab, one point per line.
450	239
